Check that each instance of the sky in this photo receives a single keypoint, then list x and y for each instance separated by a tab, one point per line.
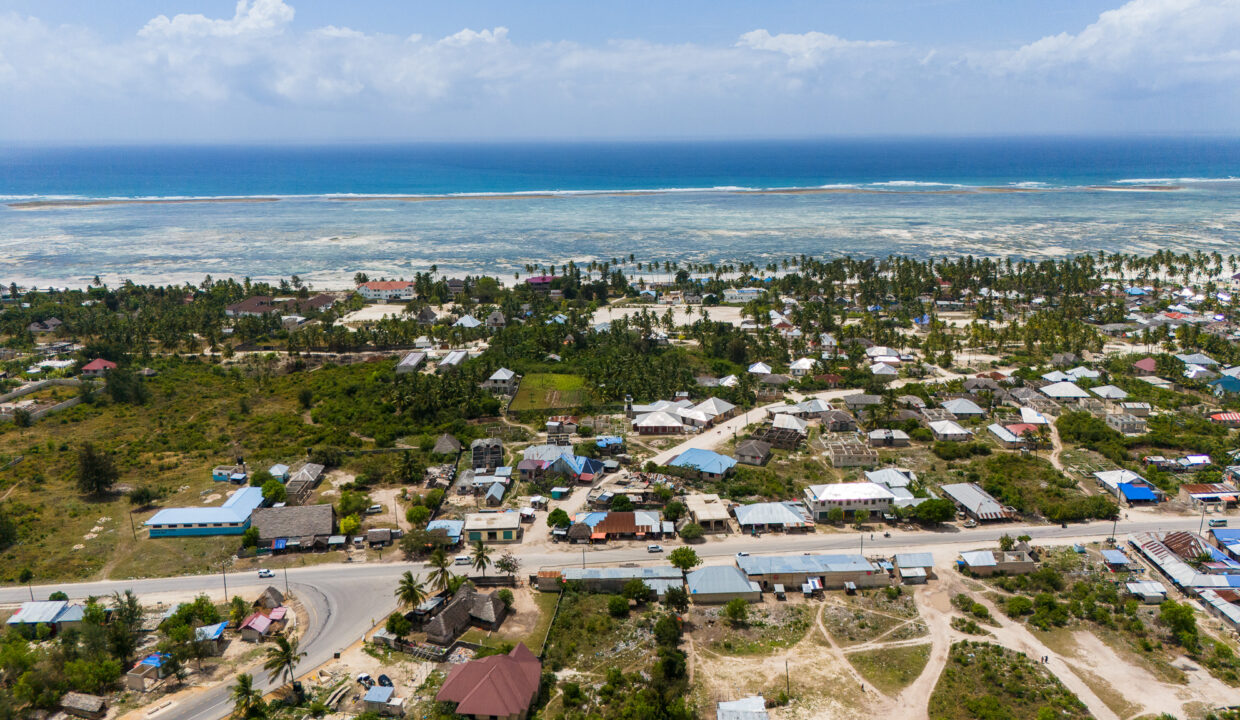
412	70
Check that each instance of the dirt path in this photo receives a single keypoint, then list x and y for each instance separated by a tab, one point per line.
1017	637
934	604
1056	448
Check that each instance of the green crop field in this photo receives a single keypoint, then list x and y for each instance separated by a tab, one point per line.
550	391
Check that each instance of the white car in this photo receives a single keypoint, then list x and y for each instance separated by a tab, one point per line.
265	573
461	560
654	548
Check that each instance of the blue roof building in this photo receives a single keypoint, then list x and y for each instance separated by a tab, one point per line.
1226	385
231	518
452	528
709	463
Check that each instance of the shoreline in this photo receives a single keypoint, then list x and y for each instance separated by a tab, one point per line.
552	195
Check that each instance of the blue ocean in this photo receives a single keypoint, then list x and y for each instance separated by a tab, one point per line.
159	214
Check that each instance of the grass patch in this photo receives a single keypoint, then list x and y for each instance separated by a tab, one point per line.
588	639
982	681
891	669
766	631
968	627
547	391
872	614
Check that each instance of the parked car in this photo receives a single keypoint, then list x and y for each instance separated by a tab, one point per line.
385	681
654	548
1218	522
374	509
742	554
364	680
461	560
265	573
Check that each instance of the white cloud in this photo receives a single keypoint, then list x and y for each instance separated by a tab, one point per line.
806	50
1147	43
256	72
263	17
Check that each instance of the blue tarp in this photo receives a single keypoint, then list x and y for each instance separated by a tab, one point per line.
1133	492
279	544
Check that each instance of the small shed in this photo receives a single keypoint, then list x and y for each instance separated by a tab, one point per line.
270	599
379	537
559	493
83	705
382	699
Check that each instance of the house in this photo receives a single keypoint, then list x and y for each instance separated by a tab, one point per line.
279	471
426	316
861	401
469	322
211	637
741	295
848	497
1126	424
1149	592
498	687
502	381
1136	409
236	474
504	527
1197	359
450	529
838	421
884	437
257	627
816	571
964	408
715	409
1109	392
949	431
488	453
446	444
976	502
39	327
1128	486
1225	385
613	579
985	563
496	320
379	537
303	481
907	563
621	524
56	614
293	523
231	518
772	516
97	368
410	362
709	465
382	700
82	705
255	306
561	425
720	584
753	452
708	511
453	360
269	599
749	708
1201	494
801	367
1064	390
658	423
467	607
1144	367
1005	437
884	372
385	290
1064	359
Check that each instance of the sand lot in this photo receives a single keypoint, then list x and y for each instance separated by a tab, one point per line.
682	314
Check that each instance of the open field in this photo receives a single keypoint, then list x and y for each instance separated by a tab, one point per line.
982	680
550	391
891	669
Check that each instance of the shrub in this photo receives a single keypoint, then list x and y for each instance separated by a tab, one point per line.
1018	606
618	606
506	597
691	531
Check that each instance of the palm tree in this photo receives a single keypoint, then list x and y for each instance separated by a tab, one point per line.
282	657
410	592
247	699
441	576
481	557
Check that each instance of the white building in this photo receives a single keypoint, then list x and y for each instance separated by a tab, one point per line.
386	290
849	497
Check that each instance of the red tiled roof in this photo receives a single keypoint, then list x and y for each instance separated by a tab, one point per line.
1146	364
1019	429
99	364
496	686
386	284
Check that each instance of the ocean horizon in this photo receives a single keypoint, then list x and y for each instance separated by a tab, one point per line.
177	213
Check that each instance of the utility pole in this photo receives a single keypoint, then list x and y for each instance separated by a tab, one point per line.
1202	524
286	579
583	558
224	572
132	529
862	543
787	680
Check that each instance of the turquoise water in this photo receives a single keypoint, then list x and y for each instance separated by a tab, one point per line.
331	213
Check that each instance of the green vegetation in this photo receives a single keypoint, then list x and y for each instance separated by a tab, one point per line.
890	670
989	682
551	391
1032	485
759	631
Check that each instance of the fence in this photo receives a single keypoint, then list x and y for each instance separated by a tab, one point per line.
37	386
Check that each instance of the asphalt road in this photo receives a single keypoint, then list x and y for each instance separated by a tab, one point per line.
344	601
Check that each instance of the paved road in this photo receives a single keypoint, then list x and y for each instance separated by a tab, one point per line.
344	601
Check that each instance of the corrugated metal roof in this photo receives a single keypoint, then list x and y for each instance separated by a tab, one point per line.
718	579
976	500
31	613
914	560
979	558
788	514
236	509
809	564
